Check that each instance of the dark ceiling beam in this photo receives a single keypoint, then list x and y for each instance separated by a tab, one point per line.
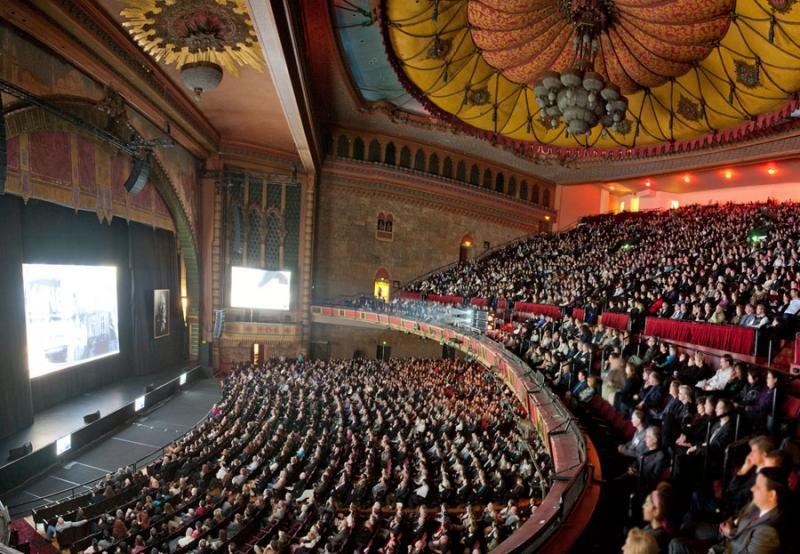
279	30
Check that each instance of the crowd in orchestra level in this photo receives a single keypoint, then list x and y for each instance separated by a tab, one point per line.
401	456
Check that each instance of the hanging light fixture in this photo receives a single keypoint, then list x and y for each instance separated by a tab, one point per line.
579	96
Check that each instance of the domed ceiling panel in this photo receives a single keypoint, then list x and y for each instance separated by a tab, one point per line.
692	70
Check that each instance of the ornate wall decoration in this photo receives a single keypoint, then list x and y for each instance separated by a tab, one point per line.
782	6
478	96
187	31
689	109
73	170
747	73
439	48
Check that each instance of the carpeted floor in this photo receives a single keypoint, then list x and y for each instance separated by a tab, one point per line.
28	534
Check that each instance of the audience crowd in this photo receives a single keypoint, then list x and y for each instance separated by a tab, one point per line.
706	463
401	456
735	263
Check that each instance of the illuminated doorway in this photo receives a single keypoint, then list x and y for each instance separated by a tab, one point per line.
382	285
467	249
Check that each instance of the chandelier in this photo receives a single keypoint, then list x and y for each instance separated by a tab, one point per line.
579	95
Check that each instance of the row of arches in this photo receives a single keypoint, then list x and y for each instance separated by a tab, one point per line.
460	170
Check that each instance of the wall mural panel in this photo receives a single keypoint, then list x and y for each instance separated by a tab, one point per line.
79	178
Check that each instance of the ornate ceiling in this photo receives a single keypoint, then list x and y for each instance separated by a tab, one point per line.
696	72
176	32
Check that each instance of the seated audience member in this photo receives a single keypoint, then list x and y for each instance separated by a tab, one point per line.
758	527
720	378
636	446
640	542
625	399
657	513
650	466
653	393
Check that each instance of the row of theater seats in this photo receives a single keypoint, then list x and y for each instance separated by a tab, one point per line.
672	425
331	457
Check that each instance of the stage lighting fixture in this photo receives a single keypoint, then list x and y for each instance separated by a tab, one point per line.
63	444
138	404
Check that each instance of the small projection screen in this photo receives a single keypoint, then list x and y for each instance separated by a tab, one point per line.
71	315
260	289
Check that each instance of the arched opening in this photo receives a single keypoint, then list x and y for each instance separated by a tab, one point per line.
475	176
535	194
358	149
499	183
343	147
405	157
512	186
461	171
447	168
419	160
433	164
382	285
374	153
523	190
546	198
467	249
487	179
391	154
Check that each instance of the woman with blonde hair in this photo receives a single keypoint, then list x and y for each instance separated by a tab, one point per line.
639	542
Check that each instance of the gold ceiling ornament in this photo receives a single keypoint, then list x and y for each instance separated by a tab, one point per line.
695	72
183	32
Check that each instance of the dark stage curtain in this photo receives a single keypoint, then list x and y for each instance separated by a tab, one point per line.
16	411
46	233
155	266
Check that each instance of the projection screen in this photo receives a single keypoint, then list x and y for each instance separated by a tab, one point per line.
260	288
71	315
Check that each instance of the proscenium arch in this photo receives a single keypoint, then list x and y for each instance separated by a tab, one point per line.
30	119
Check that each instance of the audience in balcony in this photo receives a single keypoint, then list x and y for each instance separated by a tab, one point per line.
680	448
742	270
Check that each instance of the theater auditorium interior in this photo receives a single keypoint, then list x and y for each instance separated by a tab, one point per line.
399	276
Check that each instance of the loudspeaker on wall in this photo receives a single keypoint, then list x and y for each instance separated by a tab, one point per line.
138	177
20	451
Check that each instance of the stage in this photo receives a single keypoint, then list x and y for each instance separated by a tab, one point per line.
171	409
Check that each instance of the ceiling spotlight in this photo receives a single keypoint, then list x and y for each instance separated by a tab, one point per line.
728	174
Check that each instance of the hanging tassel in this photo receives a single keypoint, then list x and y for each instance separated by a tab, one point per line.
731	92
771	36
435	10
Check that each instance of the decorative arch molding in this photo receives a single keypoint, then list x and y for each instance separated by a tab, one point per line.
25	121
427	160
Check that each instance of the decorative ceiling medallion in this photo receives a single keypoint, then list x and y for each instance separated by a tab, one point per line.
477	97
670	58
747	74
439	48
782	6
181	32
688	109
